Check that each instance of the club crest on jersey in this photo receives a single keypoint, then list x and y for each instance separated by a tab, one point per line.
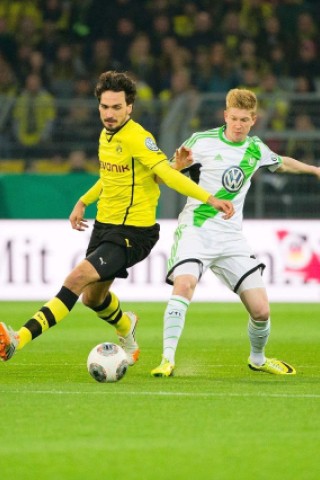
149	143
233	179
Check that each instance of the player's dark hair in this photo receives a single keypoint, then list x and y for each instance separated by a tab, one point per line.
116	82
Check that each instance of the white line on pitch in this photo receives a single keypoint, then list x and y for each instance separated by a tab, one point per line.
164	394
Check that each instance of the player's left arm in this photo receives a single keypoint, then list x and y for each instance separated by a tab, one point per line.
290	165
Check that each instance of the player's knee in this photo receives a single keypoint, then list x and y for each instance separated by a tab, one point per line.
185	285
79	278
260	313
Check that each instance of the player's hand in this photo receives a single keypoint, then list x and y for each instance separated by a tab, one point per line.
182	158
76	217
224	206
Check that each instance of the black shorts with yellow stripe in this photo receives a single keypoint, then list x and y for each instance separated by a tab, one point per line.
114	248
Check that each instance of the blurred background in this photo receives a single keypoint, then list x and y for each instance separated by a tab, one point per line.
184	56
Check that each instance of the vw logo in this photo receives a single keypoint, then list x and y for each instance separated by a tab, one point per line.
233	179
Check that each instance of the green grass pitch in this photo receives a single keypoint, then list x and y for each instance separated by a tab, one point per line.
214	420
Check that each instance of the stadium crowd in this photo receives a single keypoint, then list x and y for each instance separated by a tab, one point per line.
52	51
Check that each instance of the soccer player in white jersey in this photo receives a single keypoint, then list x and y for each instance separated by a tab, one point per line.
224	160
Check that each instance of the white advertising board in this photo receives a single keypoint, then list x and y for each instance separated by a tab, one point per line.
36	256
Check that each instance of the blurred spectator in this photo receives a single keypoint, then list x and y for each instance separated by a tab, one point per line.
204	32
184	20
278	62
125	33
50	40
250	78
8	44
201	69
250	58
273	104
307	60
140	61
76	115
37	65
57	12
113	18
273	111
33	115
28	31
164	63
161	28
287	11
223	75
51	163
22	66
64	69
298	145
177	122
8	91
307	29
77	161
270	36
303	103
15	10
257	10
101	58
232	33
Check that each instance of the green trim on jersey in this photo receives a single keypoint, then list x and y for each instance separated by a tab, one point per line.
248	164
177	236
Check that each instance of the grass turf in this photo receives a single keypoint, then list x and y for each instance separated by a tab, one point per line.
215	419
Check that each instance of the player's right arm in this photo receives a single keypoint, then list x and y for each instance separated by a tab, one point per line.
77	220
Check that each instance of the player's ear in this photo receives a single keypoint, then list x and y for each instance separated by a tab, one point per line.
254	118
225	115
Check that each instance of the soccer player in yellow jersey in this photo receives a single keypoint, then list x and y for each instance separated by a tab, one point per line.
125	230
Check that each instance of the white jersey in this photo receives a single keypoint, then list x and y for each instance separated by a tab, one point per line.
225	169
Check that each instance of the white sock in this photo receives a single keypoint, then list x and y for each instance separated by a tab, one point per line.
258	335
174	318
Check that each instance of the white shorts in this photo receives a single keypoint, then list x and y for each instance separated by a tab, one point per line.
226	254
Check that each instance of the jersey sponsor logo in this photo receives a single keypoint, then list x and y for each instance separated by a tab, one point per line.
151	145
233	179
113	167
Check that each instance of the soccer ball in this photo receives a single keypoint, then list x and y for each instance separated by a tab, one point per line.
107	362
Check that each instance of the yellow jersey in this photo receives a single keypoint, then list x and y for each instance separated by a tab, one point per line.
127	191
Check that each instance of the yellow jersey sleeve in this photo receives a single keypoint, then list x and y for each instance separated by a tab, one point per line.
176	180
144	148
92	195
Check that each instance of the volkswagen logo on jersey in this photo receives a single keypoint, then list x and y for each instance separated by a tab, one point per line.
233	179
151	144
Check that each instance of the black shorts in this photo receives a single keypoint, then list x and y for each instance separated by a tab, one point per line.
137	241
